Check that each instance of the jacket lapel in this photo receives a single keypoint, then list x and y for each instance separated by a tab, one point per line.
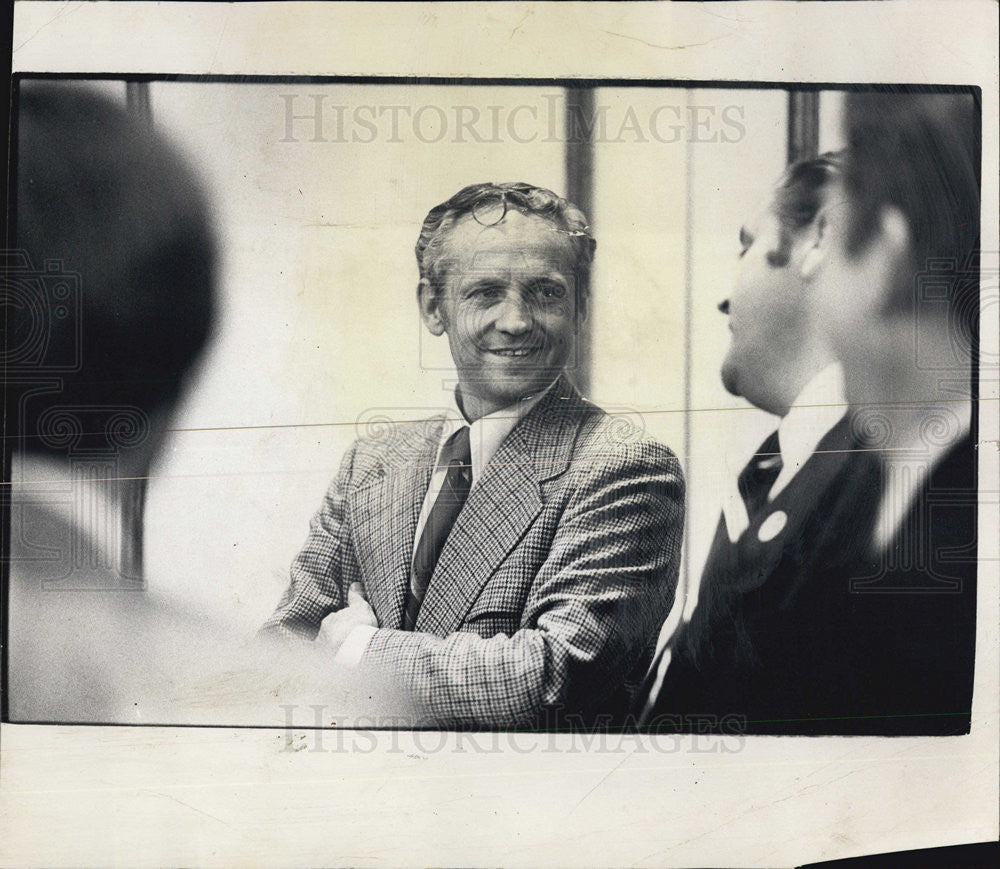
502	506
384	512
757	553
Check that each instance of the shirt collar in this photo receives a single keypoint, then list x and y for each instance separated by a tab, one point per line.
817	409
487	433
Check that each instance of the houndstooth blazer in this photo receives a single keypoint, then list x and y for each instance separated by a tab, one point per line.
553	583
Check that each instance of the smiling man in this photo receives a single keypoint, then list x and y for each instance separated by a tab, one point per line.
509	564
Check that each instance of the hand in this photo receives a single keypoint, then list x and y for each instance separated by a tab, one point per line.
339	624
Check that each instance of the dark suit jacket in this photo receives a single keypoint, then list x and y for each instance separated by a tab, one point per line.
825	635
550	589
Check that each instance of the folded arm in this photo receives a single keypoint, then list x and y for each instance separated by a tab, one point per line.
323	569
593	609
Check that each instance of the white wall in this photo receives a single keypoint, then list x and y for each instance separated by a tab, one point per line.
640	204
724	430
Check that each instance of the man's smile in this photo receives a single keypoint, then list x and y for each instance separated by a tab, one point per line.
513	352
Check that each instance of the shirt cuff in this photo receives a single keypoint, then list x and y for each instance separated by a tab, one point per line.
350	651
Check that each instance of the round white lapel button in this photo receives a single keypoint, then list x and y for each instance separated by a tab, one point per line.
771	527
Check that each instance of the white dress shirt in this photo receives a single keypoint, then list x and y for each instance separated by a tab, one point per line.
486	434
817	409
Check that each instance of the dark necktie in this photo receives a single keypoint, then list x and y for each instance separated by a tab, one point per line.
456	455
754	482
757	478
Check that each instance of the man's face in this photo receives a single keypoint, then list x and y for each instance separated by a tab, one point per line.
508	306
767	318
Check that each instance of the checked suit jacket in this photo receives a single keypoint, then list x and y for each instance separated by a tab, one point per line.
549	592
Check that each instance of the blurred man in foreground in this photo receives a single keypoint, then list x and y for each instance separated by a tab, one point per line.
517	554
867	624
110	299
905	239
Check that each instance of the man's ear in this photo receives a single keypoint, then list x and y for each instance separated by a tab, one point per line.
894	231
818	241
888	253
429	301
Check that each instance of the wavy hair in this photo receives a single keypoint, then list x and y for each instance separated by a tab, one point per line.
525	198
799	197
